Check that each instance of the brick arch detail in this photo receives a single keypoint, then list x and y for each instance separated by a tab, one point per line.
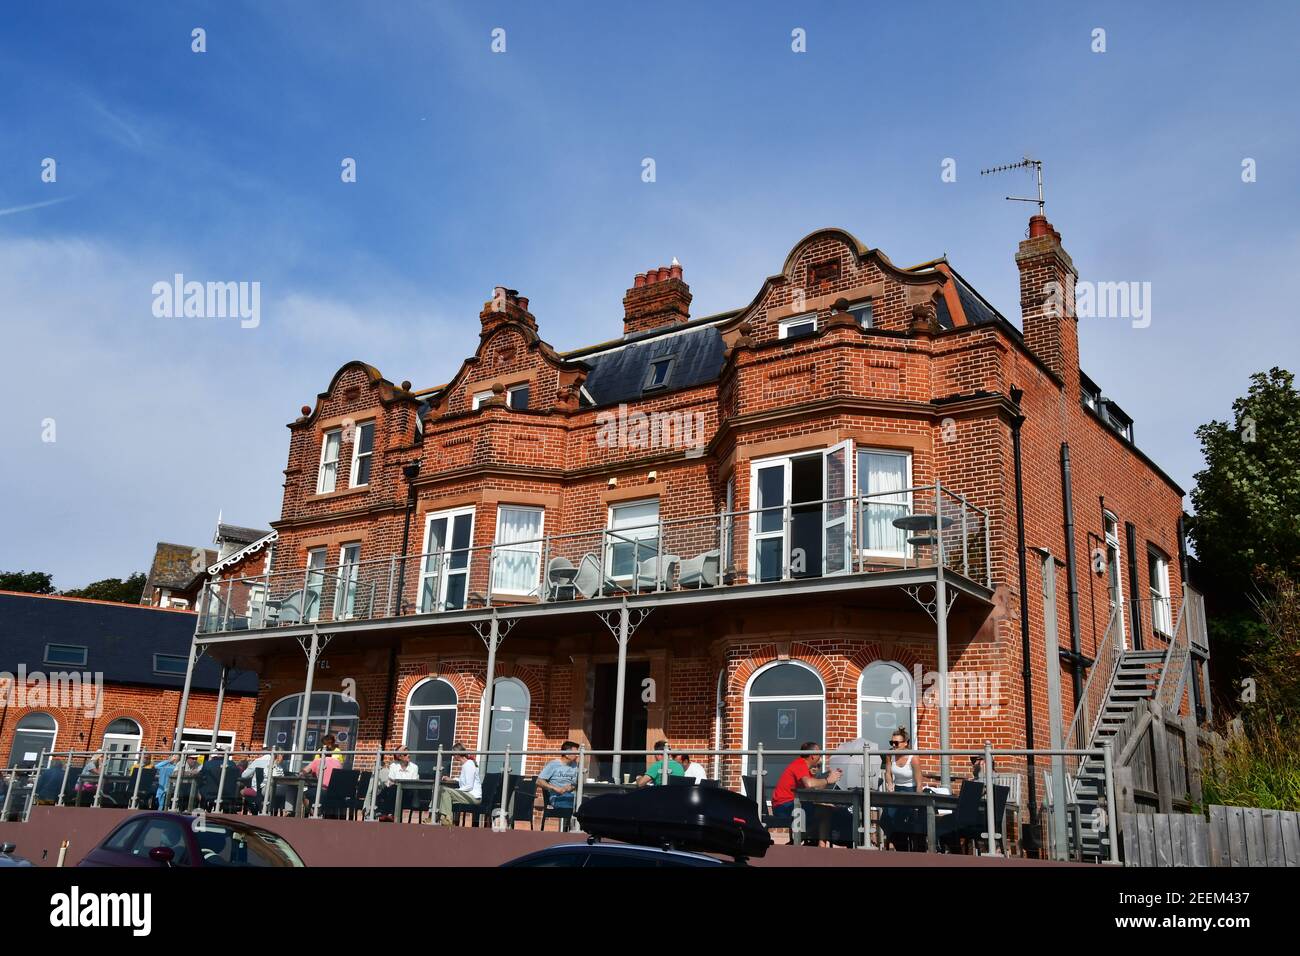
144	723
799	651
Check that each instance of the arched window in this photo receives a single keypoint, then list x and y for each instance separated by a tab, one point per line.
785	705
510	701
33	738
329	713
430	722
887	701
121	744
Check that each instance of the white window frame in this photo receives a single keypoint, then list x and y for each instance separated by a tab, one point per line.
314	581
444	570
16	758
1162	622
744	734
536	547
1110	534
516	760
913	703
406	716
132	752
644	533
357	455
345	588
785	325
478	398
514	390
870	307
865	506
336	433
199	740
786	462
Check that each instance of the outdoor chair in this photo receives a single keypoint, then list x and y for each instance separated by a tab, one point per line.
252	804
1012	829
563	814
750	784
336	798
559	588
148	784
72	795
700	571
356	804
588	583
656	574
489	802
524	802
970	822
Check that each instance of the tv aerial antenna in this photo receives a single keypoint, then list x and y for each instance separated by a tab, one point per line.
1026	162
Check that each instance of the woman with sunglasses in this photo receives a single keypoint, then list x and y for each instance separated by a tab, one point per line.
902	775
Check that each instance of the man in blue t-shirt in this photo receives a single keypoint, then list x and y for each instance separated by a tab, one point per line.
559	778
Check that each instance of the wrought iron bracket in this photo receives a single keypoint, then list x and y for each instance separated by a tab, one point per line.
635	618
484	629
322	642
930	606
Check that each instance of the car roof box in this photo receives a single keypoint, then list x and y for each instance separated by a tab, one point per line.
699	819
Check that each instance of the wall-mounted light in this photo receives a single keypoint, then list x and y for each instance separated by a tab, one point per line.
613	482
653	476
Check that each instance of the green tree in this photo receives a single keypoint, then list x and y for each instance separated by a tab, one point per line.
1246	529
29	582
124	591
1247	499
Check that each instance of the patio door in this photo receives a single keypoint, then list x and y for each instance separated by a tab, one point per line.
316	561
837	521
444	577
771	491
345	597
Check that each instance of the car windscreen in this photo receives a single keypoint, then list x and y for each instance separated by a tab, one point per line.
224	845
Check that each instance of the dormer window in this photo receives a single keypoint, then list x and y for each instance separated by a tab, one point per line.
862	314
657	374
798	327
516	397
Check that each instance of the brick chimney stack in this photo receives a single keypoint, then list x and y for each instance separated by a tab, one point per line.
657	298
1047	315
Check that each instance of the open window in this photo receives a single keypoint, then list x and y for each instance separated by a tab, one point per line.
802	514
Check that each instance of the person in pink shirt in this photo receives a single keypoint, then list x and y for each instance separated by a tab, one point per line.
331	762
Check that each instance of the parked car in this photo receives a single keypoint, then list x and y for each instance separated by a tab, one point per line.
178	839
7	857
614	854
661	827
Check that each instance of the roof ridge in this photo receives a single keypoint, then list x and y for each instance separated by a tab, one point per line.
83	600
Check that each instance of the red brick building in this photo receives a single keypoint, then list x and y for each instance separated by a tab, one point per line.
138	655
759	497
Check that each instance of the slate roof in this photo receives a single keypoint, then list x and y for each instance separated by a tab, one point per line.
619	373
233	532
173	566
120	640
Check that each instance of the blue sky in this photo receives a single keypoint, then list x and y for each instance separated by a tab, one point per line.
523	168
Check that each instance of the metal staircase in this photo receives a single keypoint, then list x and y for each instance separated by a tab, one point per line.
1136	677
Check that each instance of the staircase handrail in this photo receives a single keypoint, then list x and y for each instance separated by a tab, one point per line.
1087	714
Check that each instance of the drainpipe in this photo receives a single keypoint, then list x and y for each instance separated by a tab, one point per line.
389	702
1026	672
1077	660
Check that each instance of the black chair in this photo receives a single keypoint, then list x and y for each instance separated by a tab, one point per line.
490	801
71	795
750	783
147	787
338	795
523	805
563	814
357	802
253	804
970	820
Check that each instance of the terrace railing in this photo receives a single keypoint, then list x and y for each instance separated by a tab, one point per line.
910	527
737	768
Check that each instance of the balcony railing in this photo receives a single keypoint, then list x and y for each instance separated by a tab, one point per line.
908	528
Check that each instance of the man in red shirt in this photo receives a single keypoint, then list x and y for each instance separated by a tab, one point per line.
798	775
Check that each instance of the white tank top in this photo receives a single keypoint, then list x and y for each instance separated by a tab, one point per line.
903	774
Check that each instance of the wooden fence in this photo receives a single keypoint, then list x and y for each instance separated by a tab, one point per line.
1232	836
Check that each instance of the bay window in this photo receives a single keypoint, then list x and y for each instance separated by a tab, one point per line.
517	558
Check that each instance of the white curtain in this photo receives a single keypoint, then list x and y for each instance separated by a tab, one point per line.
879	472
518	555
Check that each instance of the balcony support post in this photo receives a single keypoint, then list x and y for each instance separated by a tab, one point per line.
221	700
300	737
941	625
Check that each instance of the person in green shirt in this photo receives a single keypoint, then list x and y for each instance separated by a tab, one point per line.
654	772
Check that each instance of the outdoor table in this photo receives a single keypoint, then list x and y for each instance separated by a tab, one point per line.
297	781
415	786
835	797
932	802
922	522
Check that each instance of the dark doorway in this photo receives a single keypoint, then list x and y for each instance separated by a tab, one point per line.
806	519
635	716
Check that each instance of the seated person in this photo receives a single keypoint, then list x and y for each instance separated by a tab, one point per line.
559	778
798	775
50	782
398	767
654	773
692	770
466	788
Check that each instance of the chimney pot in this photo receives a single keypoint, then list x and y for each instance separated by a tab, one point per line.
675	270
639	281
1039	226
523	302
